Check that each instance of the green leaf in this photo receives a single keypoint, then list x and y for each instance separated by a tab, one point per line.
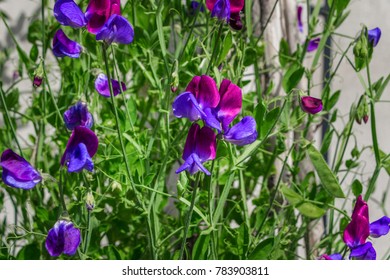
385	158
310	210
379	87
269	122
284	52
227	44
292	197
357	187
34	53
327	141
328	179
262	250
292	77
200	247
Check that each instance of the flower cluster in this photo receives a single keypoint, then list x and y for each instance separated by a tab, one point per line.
358	230
102	18
227	10
217	109
83	142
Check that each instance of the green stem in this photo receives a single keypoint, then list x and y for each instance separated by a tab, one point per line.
189	216
216	46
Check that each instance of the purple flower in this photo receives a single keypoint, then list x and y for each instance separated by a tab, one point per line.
221	10
235	21
117	29
63	46
300	24
78	115
69	14
335	257
62	238
194	6
37	81
200	147
99	11
380	227
374	36
81	147
17	172
313	44
102	87
217	109
311	105
363	252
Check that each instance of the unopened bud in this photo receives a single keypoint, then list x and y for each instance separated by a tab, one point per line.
38	75
89	201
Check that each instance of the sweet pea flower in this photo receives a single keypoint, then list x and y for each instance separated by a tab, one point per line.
78	115
117	29
380	227
374	36
335	257
311	105
226	10
200	147
17	172
299	13
103	88
99	11
63	238
69	14
313	44
63	46
81	147
217	109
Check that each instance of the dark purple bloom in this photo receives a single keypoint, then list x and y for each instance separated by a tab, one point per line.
81	147
37	81
99	11
68	13
17	172
300	24
380	227
313	44
235	21
200	147
374	36
363	252
336	257
117	29
221	10
311	105
78	115
102	87
63	238
63	46
242	133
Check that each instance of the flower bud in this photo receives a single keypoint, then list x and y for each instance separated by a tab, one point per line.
89	201
38	75
362	110
311	105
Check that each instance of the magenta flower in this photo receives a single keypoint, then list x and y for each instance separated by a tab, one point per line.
226	10
17	172
62	238
300	24
311	105
374	36
37	82
78	115
81	147
200	147
99	11
102	86
63	46
217	109
117	29
69	14
313	44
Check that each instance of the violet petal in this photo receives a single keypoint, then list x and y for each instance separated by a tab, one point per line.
374	35
205	91
78	159
102	87
62	238
221	10
117	29
78	115
363	252
242	133
69	14
186	106
230	103
63	46
380	227
313	44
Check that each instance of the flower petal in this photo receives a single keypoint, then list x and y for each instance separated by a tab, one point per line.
72	239
186	106
78	115
235	5
63	46
380	227
242	133
17	172
117	29
313	44
205	91
78	159
206	144
300	24
374	35
69	14
102	87
97	13
311	105
230	103
221	10
55	239
189	147
363	252
331	257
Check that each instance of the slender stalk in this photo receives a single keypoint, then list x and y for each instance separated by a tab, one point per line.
216	46
189	216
